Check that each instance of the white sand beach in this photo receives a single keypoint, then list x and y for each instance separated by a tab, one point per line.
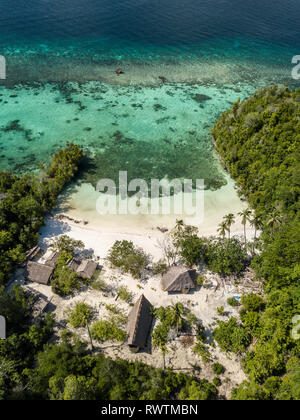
79	219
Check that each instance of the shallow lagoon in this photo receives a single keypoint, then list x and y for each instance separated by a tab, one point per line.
151	132
183	66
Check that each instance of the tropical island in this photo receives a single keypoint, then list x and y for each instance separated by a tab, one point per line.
211	318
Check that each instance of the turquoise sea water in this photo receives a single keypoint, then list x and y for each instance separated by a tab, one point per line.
184	63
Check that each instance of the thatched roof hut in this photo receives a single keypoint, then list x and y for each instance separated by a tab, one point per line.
39	273
39	301
84	268
178	279
32	253
53	258
139	324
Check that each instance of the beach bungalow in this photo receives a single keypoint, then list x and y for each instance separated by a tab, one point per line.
32	253
39	273
178	279
84	268
139	324
39	302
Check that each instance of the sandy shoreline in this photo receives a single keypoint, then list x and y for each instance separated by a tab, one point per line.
78	218
99	241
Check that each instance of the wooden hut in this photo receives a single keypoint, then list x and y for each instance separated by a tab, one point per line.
139	324
39	273
39	301
52	259
30	255
178	279
84	268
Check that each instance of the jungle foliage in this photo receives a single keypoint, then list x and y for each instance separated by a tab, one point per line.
259	143
24	202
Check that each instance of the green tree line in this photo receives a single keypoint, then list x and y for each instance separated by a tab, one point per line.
259	143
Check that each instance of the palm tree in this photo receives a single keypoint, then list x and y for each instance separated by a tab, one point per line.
177	313
274	220
257	223
229	219
223	229
245	215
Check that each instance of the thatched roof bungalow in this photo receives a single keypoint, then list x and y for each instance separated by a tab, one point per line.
39	273
39	301
178	279
32	253
84	268
139	324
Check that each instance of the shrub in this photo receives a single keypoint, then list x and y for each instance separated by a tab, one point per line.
198	390
217	382
253	302
116	314
64	281
124	294
226	256
220	310
66	244
233	302
131	259
100	285
251	320
200	350
80	315
192	249
201	280
160	336
232	337
107	331
218	369
159	268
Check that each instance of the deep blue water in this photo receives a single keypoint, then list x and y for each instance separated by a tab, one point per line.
159	22
133	27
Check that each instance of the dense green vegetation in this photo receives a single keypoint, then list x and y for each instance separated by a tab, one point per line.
131	259
224	256
18	352
25	200
65	373
259	142
32	370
